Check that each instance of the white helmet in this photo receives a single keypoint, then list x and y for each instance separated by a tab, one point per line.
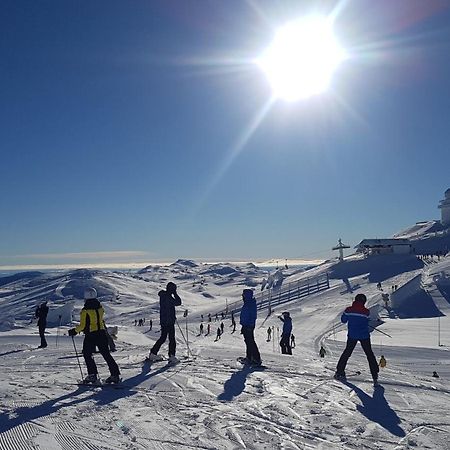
90	294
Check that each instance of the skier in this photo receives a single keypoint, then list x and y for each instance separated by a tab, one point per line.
151	325
357	317
382	362
93	326
286	333
292	341
208	329
248	321
222	326
269	334
168	299
322	352
233	323
209	317
201	328
41	314
216	319
219	333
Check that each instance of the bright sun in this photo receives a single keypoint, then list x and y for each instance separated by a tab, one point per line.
301	59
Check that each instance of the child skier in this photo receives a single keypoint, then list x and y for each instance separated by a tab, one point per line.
93	326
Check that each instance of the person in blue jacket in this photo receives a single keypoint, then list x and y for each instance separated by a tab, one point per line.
248	321
285	342
357	319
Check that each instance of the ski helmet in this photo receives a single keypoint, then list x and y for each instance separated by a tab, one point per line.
90	294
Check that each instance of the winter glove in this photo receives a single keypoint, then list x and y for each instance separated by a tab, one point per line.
72	332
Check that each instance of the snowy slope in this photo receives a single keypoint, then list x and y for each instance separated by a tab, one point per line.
209	401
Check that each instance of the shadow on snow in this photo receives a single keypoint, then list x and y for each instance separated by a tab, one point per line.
377	409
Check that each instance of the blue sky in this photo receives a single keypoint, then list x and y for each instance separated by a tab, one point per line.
120	121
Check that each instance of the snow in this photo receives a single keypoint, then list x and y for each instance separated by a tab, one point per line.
210	401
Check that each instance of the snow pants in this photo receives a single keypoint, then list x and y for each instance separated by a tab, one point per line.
166	330
100	340
285	344
42	324
252	352
366	346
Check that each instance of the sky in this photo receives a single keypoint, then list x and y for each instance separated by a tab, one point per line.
144	131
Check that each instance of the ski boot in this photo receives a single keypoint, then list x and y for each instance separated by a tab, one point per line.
91	379
154	358
173	360
113	379
340	376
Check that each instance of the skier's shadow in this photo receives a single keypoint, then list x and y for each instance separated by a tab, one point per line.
19	416
236	384
377	409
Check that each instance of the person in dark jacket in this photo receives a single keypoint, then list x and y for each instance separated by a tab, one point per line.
41	314
248	321
357	319
168	299
286	333
95	336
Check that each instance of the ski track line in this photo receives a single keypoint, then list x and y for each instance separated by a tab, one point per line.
19	437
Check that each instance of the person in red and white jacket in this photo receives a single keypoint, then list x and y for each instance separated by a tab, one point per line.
357	319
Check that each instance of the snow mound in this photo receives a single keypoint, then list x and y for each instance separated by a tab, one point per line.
184	263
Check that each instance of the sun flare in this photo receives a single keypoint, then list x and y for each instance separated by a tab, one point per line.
301	59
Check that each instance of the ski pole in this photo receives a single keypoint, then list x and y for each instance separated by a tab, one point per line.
78	359
182	334
379	331
57	330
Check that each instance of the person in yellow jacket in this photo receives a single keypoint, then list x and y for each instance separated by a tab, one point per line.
93	326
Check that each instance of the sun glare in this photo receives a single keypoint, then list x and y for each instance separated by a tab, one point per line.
301	59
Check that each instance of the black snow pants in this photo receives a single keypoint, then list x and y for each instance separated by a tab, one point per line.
166	330
42	324
366	346
100	340
285	344
252	352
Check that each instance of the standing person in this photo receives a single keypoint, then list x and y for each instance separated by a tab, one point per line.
168	299
41	314
286	333
357	317
219	333
248	321
151	325
93	326
222	326
269	334
201	328
208	329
